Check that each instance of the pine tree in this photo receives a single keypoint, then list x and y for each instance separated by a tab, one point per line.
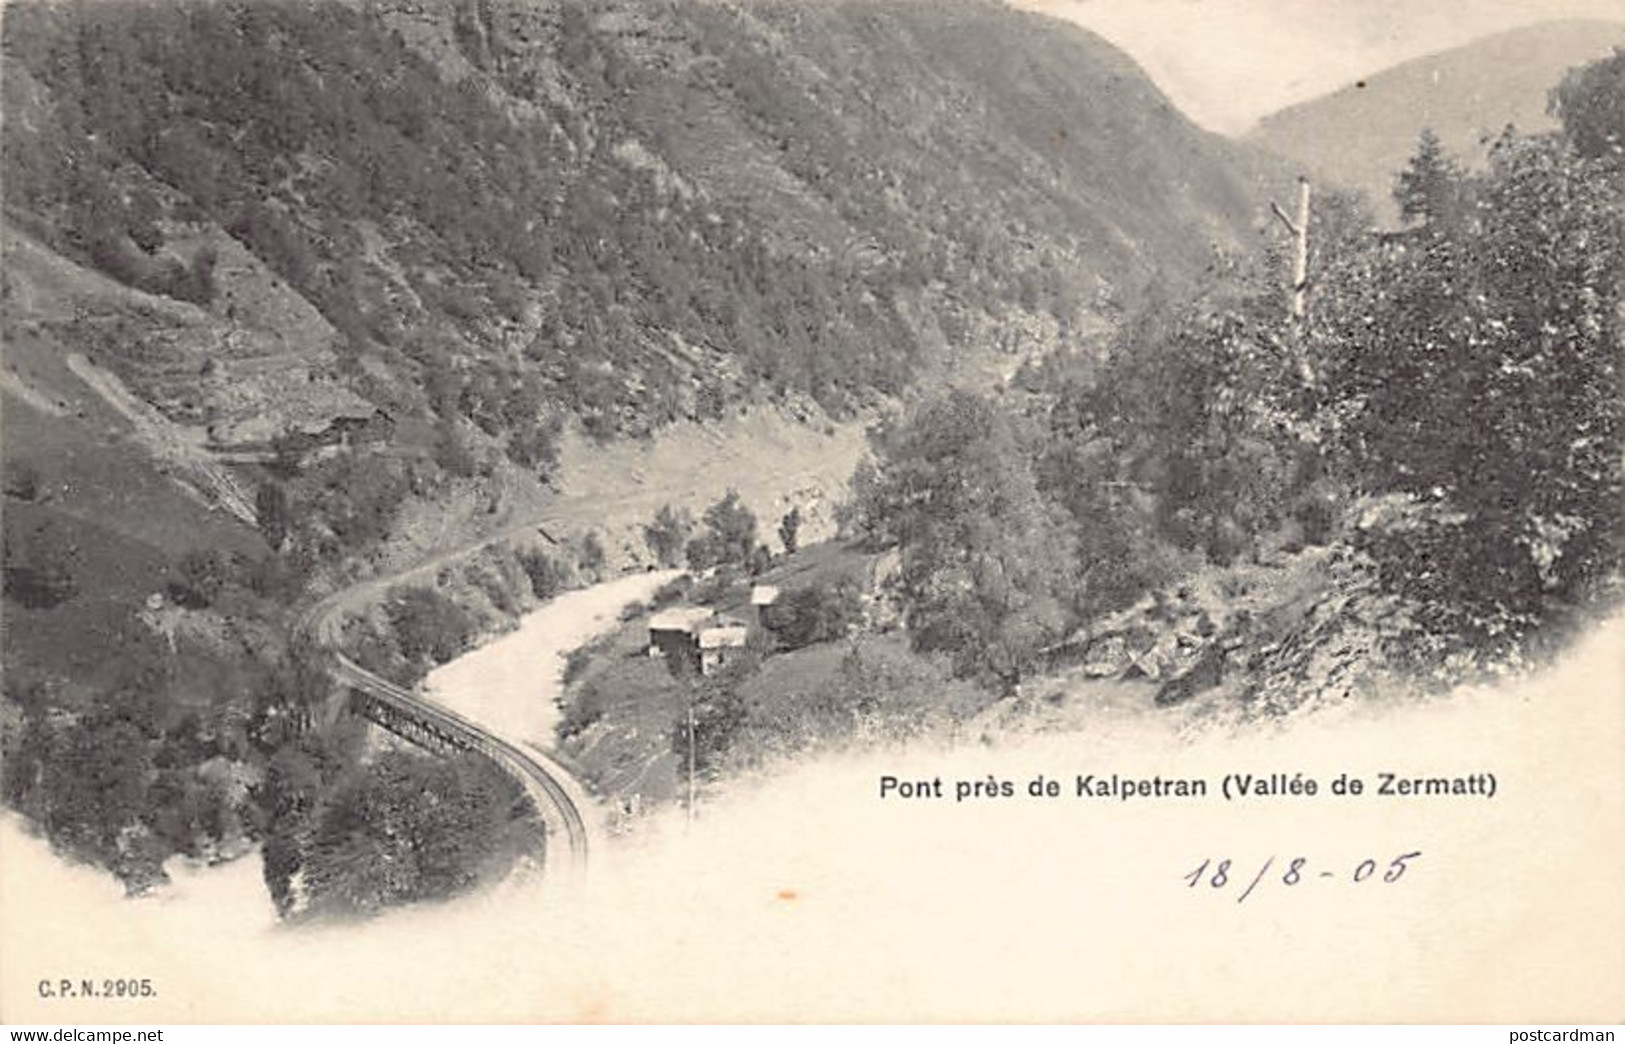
1428	190
271	505
790	530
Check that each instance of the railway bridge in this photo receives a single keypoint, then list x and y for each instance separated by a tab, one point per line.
443	731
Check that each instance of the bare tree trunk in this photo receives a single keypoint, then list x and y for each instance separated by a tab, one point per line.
1300	253
1300	275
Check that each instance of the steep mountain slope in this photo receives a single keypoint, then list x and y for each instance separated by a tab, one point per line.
296	293
380	256
624	212
1360	136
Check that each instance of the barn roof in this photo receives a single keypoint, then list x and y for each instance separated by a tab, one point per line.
724	635
683	618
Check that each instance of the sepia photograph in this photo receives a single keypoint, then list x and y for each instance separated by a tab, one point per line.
812	511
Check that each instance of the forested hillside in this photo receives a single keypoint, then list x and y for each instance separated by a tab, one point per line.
1243	515
294	291
510	214
1422	480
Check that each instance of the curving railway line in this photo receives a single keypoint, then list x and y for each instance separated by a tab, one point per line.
558	798
440	729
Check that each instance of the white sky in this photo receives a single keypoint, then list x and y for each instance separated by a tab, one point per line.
1226	63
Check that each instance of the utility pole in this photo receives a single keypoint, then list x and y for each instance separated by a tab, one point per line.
691	756
1300	266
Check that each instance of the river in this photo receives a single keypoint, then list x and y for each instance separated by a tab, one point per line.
512	685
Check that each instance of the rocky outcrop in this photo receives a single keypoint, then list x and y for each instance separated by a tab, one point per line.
1267	639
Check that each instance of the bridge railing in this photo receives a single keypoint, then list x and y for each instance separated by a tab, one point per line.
457	730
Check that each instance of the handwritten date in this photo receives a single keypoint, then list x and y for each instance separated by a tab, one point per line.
1220	873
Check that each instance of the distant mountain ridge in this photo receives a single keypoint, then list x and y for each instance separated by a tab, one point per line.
1360	136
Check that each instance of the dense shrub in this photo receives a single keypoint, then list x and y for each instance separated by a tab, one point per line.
202	576
820	612
427	625
548	576
409	827
667	534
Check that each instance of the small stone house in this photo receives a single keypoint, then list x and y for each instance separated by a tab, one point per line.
720	643
696	639
673	635
764	600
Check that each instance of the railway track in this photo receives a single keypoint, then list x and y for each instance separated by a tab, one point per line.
557	797
555	804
